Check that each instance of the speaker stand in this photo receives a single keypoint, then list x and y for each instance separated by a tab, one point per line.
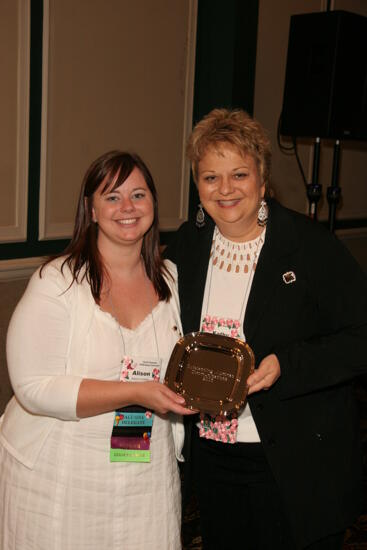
334	191
314	188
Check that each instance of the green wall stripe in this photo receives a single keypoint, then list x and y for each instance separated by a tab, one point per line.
226	41
35	111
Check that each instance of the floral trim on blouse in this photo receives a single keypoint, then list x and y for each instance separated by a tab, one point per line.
220	325
220	428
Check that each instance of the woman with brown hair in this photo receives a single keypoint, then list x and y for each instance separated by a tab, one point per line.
285	473
88	455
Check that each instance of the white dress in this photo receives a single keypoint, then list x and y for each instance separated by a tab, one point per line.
75	498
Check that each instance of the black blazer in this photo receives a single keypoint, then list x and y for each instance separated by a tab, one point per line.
317	327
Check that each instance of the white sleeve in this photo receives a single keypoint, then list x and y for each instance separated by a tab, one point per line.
38	341
177	423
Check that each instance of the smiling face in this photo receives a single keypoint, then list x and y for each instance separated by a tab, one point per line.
231	189
123	214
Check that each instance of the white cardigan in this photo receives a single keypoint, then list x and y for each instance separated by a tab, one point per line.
46	392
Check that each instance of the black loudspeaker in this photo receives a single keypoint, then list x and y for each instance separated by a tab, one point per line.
325	92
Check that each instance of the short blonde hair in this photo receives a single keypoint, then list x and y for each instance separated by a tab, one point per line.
235	128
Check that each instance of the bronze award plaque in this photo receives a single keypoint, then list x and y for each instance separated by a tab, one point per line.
210	371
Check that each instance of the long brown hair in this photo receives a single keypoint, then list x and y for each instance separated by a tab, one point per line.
82	254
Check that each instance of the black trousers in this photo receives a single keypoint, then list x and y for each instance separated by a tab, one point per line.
240	501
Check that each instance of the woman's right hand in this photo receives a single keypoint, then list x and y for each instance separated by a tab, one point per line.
159	398
100	396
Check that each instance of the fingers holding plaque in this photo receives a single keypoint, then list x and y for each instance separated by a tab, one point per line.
210	371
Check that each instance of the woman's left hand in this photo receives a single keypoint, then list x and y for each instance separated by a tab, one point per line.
265	375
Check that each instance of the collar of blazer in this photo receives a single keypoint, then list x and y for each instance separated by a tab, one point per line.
281	240
192	270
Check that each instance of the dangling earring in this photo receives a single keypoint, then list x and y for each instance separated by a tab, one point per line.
200	216
262	215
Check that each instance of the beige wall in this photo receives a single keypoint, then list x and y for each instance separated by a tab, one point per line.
14	63
119	75
8	110
10	292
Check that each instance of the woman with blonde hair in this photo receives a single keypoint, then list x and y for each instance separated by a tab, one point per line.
285	473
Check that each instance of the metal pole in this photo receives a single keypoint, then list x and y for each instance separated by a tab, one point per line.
334	191
314	188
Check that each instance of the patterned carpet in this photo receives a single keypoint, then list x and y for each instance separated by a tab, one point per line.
356	536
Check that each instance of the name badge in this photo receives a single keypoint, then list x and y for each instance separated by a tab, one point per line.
132	427
140	369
